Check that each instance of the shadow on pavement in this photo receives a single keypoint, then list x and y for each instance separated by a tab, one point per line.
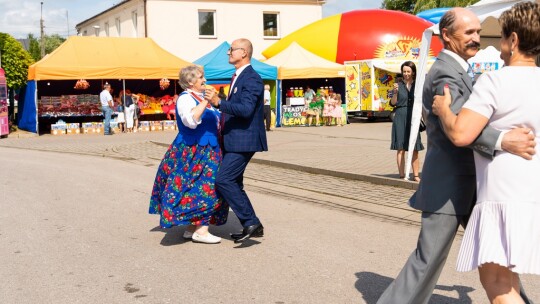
372	285
173	235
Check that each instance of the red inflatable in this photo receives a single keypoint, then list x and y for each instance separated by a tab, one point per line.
361	34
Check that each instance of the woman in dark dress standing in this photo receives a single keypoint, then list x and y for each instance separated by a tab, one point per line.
403	99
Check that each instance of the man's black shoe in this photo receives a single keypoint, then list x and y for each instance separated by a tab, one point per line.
256	230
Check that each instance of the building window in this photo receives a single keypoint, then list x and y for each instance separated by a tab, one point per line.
207	23
134	20
271	25
85	33
118	27
96	30
107	29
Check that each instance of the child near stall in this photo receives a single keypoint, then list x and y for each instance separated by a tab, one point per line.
171	115
136	113
120	117
337	112
328	109
314	109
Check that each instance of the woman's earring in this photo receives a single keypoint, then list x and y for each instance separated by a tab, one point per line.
511	53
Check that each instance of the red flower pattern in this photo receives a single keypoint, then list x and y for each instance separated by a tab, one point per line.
183	190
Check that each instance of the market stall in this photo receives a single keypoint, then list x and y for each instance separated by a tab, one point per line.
297	69
369	86
65	84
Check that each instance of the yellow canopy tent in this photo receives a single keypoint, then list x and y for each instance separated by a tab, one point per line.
107	58
295	62
95	58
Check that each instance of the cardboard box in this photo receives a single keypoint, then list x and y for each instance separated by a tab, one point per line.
58	129
156	126
98	128
144	126
169	125
73	128
114	127
88	127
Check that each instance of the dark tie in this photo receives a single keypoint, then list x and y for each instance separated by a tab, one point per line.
230	86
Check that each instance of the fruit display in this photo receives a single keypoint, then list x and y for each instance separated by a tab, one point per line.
164	83
81	84
69	105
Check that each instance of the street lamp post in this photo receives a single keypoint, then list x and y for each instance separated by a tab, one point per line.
41	42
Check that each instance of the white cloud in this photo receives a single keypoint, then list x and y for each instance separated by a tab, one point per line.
19	18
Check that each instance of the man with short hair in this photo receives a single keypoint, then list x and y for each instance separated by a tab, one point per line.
243	134
107	108
447	191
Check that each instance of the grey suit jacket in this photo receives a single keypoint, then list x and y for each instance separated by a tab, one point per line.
448	176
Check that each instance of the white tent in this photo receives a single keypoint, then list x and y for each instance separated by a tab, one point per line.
487	11
295	62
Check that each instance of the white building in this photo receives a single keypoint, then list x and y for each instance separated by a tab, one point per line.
192	28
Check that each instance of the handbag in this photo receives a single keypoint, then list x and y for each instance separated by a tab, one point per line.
422	125
392	114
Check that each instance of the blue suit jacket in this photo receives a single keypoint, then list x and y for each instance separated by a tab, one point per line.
243	113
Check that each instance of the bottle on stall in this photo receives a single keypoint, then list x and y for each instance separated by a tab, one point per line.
330	90
295	91
290	92
301	92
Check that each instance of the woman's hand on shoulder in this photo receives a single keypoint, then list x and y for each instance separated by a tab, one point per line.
442	103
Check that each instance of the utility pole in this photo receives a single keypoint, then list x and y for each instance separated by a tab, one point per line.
41	42
67	20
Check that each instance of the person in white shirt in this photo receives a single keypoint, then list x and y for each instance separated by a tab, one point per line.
267	109
106	107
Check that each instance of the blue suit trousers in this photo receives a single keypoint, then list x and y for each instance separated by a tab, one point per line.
230	185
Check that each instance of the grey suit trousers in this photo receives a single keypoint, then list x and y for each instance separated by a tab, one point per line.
416	281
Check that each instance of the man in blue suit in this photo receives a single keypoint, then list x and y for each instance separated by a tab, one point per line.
243	134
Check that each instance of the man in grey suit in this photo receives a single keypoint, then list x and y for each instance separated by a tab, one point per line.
447	192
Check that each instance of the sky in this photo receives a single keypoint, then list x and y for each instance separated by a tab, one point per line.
19	18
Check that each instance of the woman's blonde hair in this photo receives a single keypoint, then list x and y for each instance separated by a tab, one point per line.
189	74
523	19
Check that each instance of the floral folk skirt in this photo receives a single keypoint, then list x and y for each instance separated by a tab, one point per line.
184	188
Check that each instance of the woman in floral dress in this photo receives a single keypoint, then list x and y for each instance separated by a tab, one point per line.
184	192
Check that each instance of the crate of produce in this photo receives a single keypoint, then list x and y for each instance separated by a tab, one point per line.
169	125
144	126
58	129
156	126
73	128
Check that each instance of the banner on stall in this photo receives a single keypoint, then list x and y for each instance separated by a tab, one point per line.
296	115
293	115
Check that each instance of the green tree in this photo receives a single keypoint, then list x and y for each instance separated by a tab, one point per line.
399	5
33	47
416	6
422	5
15	62
52	42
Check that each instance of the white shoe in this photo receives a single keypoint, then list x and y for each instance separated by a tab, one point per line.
207	239
187	235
